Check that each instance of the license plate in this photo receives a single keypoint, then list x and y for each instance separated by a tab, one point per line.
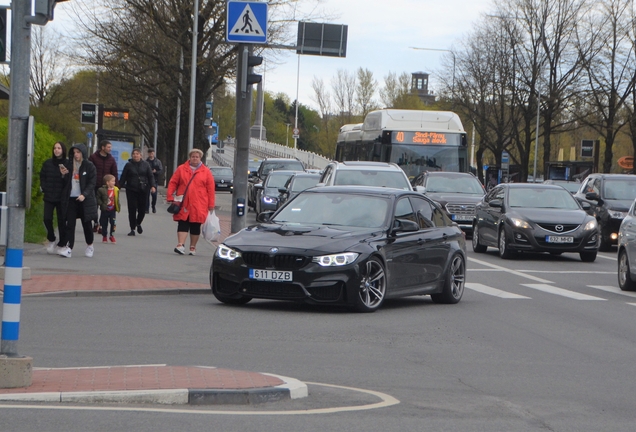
222	185
271	275
558	239
461	218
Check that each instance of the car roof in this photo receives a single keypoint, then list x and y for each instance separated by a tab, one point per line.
448	174
531	185
283	172
374	190
602	175
305	174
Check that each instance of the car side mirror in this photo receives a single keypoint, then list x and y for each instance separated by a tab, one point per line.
497	203
592	196
282	190
405	225
264	216
586	205
258	186
420	189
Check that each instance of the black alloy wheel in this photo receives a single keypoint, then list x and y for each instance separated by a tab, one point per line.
454	283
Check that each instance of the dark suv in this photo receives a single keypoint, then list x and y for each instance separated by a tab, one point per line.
457	194
610	197
269	164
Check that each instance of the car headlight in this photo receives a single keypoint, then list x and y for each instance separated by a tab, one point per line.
270	200
591	225
519	223
227	253
617	214
336	259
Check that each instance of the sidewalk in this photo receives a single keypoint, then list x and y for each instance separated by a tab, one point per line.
135	265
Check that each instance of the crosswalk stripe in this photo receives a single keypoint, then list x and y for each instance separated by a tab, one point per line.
485	289
613	289
562	292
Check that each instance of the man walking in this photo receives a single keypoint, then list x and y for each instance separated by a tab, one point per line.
104	163
157	169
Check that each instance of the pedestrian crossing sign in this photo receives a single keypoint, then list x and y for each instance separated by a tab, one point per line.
246	22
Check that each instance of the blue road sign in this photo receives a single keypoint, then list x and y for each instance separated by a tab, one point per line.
89	135
246	22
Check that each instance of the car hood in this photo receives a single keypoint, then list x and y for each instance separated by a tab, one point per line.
446	197
549	215
300	238
618	205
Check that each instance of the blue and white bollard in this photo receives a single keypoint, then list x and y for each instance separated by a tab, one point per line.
11	301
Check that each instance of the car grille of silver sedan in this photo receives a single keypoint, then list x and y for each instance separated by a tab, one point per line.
461	209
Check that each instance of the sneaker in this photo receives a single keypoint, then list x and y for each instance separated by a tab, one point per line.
89	251
193	251
50	248
112	239
154	209
99	230
65	252
139	229
180	249
104	239
132	233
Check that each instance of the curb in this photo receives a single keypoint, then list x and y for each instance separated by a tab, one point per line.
291	389
106	293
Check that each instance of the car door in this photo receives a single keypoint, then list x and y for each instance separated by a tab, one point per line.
434	241
490	214
403	252
628	234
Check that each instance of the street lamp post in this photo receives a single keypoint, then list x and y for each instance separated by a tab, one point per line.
536	139
287	134
454	63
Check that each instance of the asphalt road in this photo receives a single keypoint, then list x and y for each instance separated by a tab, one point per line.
537	343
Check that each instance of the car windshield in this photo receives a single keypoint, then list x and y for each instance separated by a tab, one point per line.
572	187
301	183
542	198
335	209
462	185
620	189
277	180
391	179
285	165
222	171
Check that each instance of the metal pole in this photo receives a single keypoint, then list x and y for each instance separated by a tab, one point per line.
296	119
154	140
536	139
193	75
177	131
262	107
16	175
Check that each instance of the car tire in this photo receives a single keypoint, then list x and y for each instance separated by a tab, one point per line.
477	247
588	256
625	281
372	289
504	250
454	282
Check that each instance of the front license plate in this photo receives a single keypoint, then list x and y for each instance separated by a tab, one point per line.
461	218
222	185
271	275
557	239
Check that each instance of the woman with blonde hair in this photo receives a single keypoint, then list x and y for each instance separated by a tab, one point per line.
192	185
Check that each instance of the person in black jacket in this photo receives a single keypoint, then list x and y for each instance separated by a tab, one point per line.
79	199
52	179
137	178
157	169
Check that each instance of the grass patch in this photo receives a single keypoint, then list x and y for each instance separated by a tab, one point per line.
34	230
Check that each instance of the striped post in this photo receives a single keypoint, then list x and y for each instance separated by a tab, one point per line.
11	302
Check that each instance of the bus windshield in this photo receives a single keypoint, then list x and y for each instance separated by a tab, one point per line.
416	158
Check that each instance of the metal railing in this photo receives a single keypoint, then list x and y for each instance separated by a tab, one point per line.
265	149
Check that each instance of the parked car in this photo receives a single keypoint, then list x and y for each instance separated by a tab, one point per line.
570	186
223	178
380	174
456	193
267	193
524	217
252	166
627	251
297	183
344	245
610	197
267	165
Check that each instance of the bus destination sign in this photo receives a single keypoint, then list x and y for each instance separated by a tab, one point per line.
433	138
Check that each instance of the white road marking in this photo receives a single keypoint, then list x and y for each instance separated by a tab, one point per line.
614	290
385	401
515	272
607	257
568	272
562	292
485	289
633	304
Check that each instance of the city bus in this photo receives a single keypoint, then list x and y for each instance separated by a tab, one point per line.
416	140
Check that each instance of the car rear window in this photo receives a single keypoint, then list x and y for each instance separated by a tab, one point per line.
390	179
292	165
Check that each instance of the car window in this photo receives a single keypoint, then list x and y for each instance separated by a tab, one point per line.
496	193
391	179
292	164
620	189
222	171
302	183
404	210
363	211
424	212
277	180
464	185
326	176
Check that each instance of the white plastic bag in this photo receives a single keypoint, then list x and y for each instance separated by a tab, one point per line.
211	228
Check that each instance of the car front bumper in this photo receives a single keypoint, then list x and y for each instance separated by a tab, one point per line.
535	241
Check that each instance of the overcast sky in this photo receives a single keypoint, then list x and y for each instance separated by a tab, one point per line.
380	34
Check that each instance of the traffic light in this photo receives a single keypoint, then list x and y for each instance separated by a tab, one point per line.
3	33
43	11
248	78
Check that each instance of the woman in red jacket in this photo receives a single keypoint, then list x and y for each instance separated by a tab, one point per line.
197	202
